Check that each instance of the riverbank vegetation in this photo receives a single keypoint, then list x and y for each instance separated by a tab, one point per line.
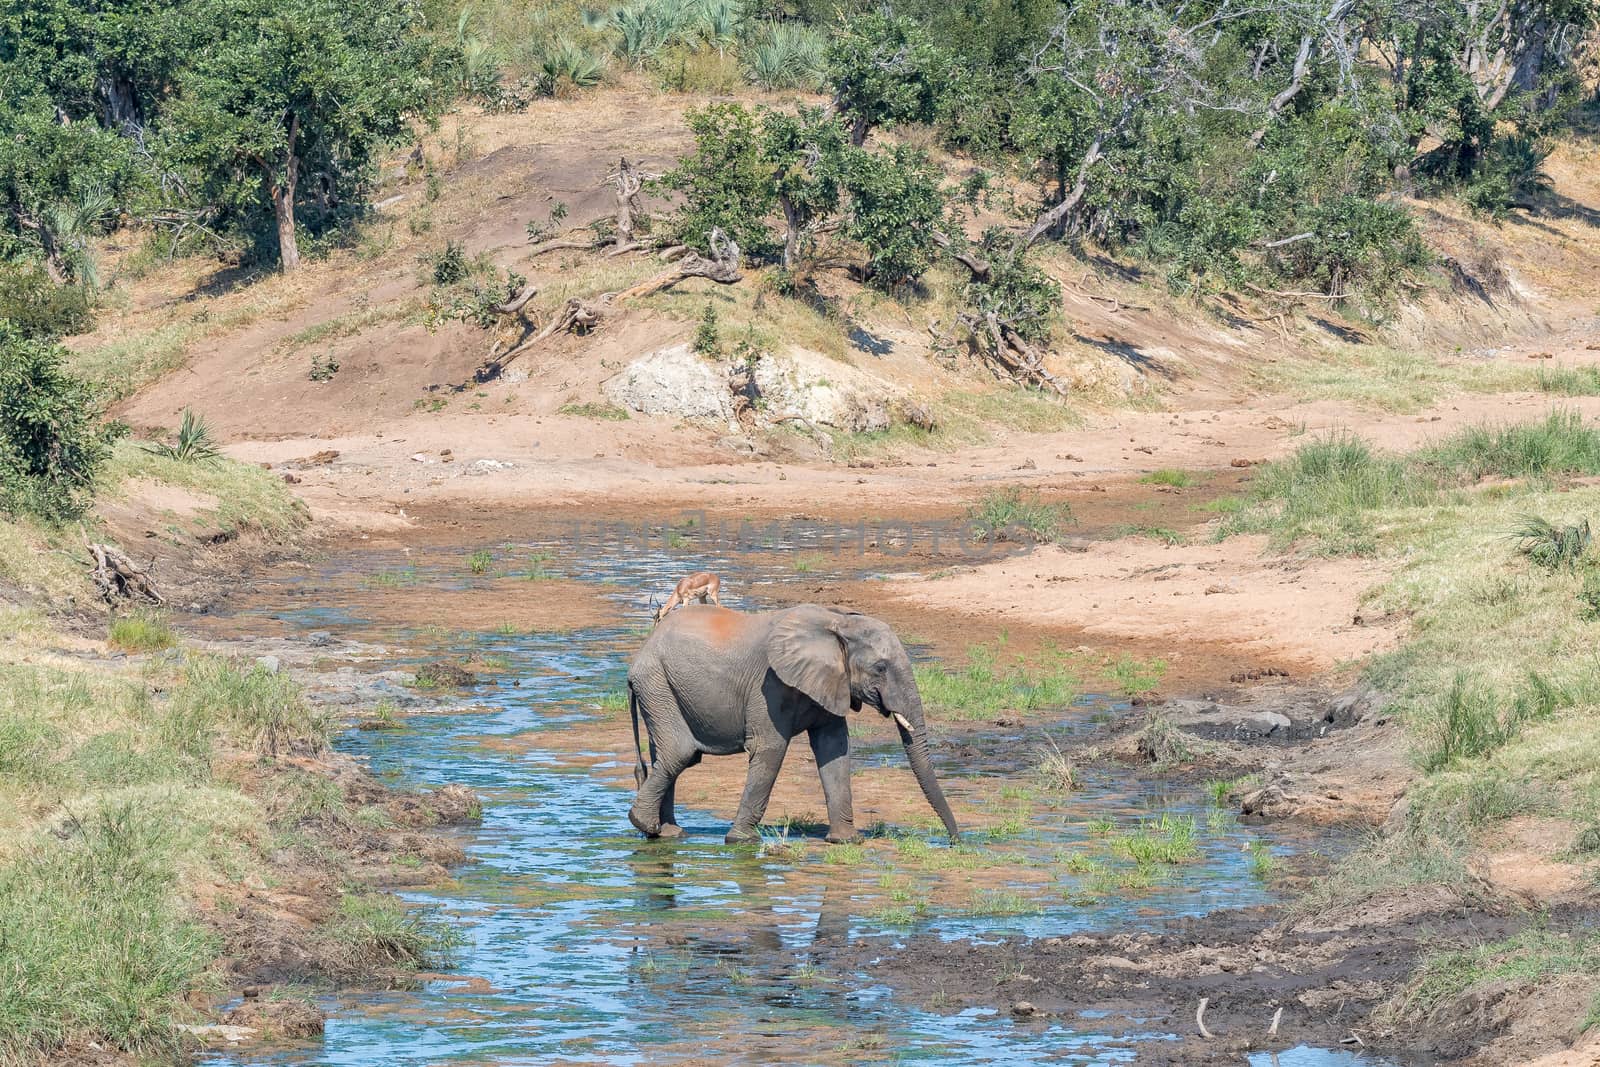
141	793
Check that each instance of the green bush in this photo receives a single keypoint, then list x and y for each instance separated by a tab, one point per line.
52	443
726	182
895	205
39	307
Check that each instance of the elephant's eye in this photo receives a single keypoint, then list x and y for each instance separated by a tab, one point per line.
881	666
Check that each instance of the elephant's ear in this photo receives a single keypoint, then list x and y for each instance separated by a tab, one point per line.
806	653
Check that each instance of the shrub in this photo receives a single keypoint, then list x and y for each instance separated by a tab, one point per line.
449	265
895	205
39	307
707	341
565	65
726	181
51	441
786	55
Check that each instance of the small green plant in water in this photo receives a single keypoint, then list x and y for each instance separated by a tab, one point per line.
480	561
1261	860
1017	515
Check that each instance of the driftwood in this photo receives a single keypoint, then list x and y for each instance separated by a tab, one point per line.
587	243
583	316
1008	353
629	182
722	268
118	577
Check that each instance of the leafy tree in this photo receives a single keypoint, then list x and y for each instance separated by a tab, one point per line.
727	182
59	182
290	101
51	441
806	153
885	69
895	207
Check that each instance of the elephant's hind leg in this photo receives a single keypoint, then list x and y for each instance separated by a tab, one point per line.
672	750
669	817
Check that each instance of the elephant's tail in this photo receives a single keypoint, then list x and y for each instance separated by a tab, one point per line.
639	770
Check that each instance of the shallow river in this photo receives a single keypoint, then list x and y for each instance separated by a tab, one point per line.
587	944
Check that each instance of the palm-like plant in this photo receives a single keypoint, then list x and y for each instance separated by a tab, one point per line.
195	443
1549	545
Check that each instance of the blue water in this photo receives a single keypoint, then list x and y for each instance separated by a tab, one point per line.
586	944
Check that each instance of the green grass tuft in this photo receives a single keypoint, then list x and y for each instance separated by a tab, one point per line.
1168	476
1018	515
986	686
142	631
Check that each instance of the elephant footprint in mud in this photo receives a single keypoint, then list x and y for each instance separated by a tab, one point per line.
710	681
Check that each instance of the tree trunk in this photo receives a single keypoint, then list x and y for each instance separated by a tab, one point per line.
791	232
1058	214
282	194
858	131
121	106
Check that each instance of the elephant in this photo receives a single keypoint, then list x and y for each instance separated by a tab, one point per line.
712	681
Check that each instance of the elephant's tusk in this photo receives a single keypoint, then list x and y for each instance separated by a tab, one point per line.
904	722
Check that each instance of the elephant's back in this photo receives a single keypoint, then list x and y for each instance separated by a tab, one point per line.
709	659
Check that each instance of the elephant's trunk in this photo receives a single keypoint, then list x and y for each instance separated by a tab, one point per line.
913	728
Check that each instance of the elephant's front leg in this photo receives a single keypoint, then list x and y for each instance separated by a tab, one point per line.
765	763
830	741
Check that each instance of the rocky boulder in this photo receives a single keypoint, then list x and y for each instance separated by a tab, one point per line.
673	381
